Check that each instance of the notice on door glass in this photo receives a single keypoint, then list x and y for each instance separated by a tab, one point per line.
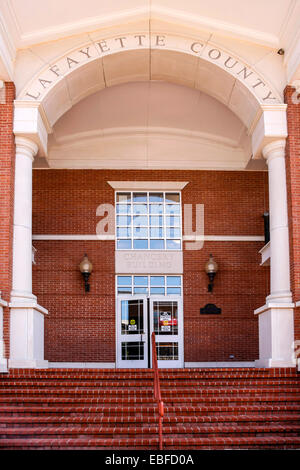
165	328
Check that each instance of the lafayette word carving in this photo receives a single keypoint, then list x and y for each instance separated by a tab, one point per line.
97	49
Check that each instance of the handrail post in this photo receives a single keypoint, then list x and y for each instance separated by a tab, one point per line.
157	394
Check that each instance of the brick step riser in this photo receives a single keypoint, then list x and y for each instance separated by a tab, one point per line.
140	403
278	420
138	435
9	394
151	443
134	430
142	377
153	447
47	382
143	374
146	415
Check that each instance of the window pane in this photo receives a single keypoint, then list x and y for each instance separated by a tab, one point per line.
172	197
157	281
123	220
172	209
140	220
156	232
167	351
124	244
123	208
156	208
124	290
140	208
123	197
140	244
124	232
174	290
173	281
165	317
132	351
158	290
132	316
173	244
140	280
140	232
141	290
157	244
139	197
124	280
172	232
172	221
156	220
156	197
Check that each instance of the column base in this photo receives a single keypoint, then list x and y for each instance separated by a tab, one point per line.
3	366
276	335
27	364
27	335
273	363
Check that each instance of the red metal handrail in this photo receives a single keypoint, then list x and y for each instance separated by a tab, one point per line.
157	395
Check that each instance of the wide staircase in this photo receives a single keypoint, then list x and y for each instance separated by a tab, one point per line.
115	409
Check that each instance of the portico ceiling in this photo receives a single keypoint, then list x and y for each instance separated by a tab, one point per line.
149	124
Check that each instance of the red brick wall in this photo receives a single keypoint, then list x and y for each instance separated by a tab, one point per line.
7	164
81	327
293	189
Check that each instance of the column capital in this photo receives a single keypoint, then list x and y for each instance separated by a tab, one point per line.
26	147
274	149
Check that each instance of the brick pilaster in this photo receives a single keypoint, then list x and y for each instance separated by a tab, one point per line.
7	164
293	189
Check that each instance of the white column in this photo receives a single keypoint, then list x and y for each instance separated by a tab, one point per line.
276	322
26	316
22	237
274	153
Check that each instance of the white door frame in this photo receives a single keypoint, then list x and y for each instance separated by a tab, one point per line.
121	338
162	338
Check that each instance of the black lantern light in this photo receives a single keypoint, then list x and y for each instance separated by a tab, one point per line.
211	269
86	268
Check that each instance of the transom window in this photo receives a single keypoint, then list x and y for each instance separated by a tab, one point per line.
149	285
148	221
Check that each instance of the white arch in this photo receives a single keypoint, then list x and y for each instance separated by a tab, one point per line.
99	63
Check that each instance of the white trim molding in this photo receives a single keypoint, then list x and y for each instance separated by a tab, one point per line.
185	238
81	365
147	185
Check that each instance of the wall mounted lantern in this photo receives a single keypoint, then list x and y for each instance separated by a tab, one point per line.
211	269
86	268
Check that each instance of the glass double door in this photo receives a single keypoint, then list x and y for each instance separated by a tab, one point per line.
137	318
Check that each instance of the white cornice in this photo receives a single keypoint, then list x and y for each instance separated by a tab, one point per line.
147	185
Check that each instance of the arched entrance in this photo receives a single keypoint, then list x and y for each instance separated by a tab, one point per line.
94	66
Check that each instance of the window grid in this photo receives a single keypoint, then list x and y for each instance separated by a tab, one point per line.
131	287
166	220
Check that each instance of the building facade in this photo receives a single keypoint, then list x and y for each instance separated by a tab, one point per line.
150	140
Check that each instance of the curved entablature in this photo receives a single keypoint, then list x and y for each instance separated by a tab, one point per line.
66	75
140	54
